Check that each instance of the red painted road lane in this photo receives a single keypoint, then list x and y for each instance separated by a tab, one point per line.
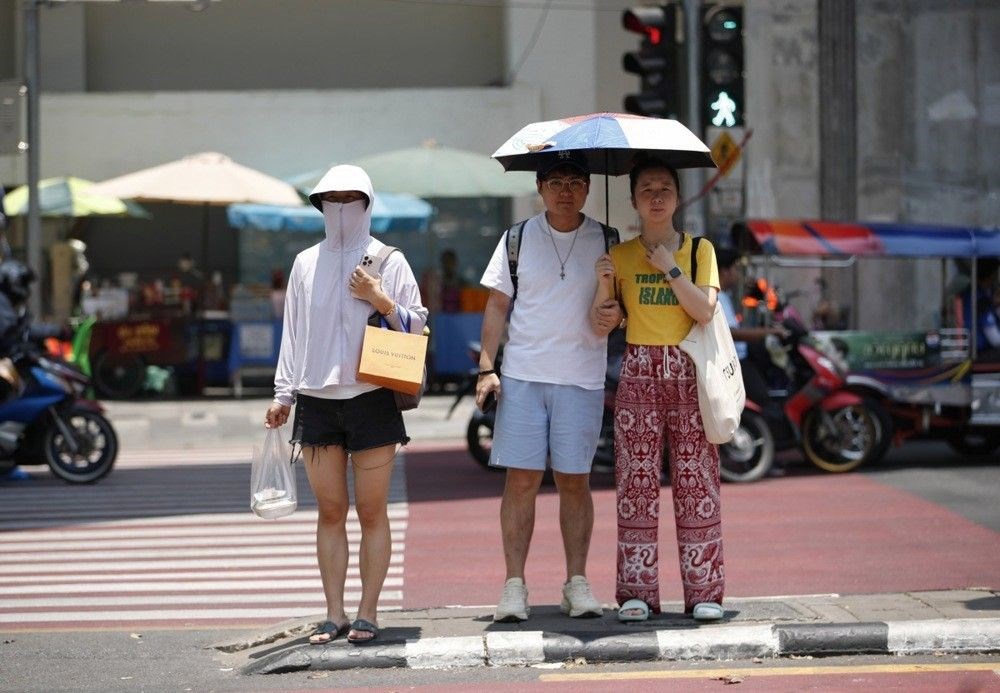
770	680
808	533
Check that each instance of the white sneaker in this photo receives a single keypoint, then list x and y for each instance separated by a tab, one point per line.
513	606
578	601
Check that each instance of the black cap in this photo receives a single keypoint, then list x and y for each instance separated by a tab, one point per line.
569	157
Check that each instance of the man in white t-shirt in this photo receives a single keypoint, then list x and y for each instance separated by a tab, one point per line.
551	395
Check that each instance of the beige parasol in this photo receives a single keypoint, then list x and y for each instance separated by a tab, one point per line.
206	178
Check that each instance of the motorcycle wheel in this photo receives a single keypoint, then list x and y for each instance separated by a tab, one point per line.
842	442
972	441
97	443
886	430
750	454
119	376
479	437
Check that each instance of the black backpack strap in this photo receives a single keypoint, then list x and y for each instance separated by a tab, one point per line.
513	248
694	259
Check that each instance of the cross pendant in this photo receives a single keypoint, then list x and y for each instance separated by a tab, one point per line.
562	274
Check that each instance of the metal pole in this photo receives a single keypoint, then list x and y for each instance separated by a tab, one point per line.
694	178
33	239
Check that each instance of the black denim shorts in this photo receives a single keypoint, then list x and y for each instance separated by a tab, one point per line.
367	421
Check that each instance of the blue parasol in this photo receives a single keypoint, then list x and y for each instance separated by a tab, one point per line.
392	212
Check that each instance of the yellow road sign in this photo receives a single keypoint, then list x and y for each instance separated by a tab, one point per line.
725	152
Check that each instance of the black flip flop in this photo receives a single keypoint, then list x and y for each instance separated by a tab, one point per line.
329	628
363	626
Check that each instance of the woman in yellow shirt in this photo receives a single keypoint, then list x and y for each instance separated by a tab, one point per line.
658	395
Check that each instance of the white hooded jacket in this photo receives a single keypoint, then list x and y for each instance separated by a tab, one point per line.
324	325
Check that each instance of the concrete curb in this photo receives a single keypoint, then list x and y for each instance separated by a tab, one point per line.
525	648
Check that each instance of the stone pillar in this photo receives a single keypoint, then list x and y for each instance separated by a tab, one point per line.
838	110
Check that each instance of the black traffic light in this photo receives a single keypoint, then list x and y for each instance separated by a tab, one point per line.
657	62
722	65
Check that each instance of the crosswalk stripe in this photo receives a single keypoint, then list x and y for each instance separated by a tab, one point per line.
242	519
36	546
163	599
285	585
191	577
168	538
160	529
207	563
303	549
172	615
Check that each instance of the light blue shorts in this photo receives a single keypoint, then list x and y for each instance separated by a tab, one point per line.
536	421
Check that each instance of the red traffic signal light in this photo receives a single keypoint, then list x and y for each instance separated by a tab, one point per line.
656	62
650	21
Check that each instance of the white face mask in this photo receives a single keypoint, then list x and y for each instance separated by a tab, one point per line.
343	219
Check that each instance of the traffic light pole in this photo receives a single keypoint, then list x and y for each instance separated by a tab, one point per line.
33	237
694	178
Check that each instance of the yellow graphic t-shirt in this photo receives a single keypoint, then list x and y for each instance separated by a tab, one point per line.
654	314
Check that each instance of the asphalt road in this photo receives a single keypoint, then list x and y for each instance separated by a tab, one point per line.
924	519
968	486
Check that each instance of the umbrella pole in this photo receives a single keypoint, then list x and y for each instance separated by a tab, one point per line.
198	304
607	196
204	239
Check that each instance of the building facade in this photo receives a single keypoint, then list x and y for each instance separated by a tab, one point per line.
288	86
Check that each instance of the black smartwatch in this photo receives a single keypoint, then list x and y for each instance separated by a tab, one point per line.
675	272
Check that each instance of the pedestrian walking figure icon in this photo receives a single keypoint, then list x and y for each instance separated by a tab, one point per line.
725	110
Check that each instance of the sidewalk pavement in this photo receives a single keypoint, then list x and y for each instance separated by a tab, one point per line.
218	423
952	621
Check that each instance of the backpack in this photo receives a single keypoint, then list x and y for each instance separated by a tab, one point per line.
611	238
404	401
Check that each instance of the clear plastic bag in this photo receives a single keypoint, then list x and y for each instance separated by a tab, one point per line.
272	478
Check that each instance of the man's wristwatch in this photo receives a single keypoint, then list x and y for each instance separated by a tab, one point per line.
674	272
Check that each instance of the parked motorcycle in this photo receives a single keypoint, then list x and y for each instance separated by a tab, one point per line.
837	429
47	419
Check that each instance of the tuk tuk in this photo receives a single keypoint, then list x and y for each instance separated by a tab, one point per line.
931	376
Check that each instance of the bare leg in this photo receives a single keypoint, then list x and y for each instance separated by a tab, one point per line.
576	519
326	468
517	518
372	472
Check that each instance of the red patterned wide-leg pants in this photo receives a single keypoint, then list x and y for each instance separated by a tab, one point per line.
657	395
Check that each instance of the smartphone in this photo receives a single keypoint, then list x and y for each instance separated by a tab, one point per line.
367	265
490	403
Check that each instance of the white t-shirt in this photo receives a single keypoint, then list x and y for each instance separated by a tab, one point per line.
549	338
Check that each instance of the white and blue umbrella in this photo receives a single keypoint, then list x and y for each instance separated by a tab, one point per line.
392	212
610	141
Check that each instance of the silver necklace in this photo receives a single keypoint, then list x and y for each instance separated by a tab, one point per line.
562	263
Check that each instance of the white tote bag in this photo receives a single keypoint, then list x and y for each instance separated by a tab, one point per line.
720	381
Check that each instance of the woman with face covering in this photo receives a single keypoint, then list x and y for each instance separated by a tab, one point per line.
331	294
657	398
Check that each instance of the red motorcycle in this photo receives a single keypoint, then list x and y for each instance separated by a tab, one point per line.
838	430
